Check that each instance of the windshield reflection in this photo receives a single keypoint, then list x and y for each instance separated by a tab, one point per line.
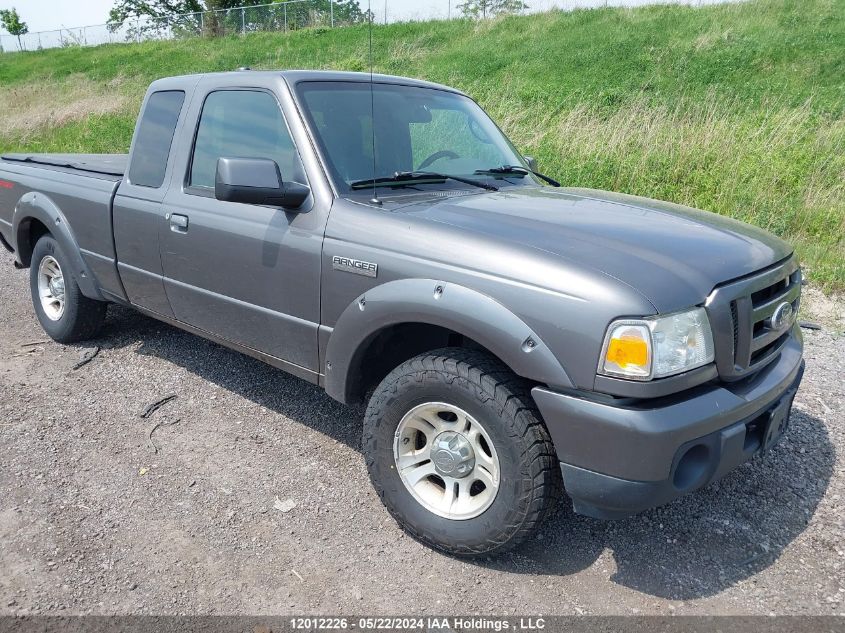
417	130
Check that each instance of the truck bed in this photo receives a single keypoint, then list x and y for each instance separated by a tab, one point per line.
105	164
80	187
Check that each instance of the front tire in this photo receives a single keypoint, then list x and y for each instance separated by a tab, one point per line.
458	453
66	315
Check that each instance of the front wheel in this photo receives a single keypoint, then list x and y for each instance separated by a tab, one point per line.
66	315
458	453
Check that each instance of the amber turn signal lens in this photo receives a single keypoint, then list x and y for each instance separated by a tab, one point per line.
628	350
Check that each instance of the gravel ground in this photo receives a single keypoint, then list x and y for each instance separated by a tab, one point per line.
92	520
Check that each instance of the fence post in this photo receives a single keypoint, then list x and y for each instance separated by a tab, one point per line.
243	20
331	11
202	23
285	5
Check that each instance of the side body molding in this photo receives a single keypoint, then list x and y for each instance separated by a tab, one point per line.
37	206
460	309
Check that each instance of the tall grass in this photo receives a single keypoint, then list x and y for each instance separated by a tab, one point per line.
738	108
779	167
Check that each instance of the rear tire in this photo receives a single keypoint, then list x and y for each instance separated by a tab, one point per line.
492	476
66	315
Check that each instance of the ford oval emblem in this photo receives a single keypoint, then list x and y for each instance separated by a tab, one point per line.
782	316
444	460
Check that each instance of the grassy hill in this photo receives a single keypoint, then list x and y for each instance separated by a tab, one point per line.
739	108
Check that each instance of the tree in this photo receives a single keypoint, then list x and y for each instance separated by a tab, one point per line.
156	14
490	8
345	11
13	24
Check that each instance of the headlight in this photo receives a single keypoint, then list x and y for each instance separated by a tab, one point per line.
655	347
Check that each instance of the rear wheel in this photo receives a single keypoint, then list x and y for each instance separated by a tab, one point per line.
66	315
458	453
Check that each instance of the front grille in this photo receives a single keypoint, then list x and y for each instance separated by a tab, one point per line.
735	321
741	317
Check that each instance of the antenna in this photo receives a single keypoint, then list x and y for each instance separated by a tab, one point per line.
375	199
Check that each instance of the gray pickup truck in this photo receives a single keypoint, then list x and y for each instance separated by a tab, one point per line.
382	238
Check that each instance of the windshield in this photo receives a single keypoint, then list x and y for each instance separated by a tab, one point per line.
417	130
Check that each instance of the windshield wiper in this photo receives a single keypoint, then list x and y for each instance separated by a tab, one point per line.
518	169
405	178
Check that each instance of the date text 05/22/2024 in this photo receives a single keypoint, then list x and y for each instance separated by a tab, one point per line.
419	624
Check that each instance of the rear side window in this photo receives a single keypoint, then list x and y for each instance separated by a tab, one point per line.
242	124
155	135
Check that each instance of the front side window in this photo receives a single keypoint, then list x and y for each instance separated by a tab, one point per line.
416	129
155	135
242	124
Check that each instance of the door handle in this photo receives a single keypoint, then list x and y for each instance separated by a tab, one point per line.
178	223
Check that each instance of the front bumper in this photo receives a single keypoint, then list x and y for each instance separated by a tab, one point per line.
620	460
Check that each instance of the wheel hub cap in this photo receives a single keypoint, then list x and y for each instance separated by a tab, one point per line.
57	286
51	288
446	460
453	455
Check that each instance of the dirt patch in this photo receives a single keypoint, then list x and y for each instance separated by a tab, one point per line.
827	310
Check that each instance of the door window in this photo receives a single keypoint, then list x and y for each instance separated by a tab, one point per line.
155	135
242	124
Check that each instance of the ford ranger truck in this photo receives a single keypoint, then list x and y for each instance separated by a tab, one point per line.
514	339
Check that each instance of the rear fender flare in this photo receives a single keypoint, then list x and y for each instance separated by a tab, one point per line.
37	206
455	307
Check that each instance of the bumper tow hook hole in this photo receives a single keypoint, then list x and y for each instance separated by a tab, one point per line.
692	467
755	432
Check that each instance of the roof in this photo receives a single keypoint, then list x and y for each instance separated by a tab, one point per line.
296	76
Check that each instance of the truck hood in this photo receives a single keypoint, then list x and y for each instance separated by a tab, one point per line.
673	255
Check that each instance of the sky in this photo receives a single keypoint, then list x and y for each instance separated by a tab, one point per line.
46	15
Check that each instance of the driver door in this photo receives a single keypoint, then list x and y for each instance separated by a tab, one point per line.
246	273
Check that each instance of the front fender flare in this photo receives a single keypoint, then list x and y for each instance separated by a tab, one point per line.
37	206
455	307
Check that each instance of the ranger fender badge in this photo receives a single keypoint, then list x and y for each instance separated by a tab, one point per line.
356	266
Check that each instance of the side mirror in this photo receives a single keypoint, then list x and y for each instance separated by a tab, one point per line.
532	162
256	181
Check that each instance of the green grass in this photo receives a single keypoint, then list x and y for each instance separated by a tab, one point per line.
738	109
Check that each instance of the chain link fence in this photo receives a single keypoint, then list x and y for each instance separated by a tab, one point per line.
278	16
